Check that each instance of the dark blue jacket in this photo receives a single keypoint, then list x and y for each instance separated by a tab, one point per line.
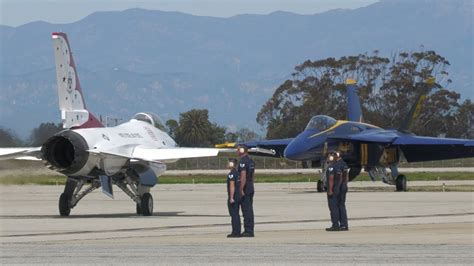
234	175
248	165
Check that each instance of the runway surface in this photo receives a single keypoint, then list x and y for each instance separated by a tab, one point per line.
191	221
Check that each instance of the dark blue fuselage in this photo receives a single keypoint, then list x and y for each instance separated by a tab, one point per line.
312	144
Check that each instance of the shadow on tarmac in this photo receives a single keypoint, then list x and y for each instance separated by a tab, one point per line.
109	215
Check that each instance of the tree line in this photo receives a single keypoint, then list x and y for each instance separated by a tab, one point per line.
193	129
388	88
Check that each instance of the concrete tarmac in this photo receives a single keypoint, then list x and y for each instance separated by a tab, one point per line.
191	222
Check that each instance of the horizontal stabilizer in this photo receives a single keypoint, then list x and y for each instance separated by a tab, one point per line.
33	154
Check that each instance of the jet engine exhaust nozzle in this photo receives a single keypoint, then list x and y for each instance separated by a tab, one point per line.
66	152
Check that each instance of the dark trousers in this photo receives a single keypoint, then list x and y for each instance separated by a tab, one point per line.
235	217
342	206
333	203
247	212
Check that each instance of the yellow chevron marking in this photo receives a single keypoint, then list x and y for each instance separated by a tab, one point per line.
339	123
225	145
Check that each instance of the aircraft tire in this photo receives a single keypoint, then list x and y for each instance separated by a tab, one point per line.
320	186
147	204
64	209
401	183
139	209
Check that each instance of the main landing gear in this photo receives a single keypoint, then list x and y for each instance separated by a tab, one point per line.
393	178
145	207
74	192
64	208
320	186
401	183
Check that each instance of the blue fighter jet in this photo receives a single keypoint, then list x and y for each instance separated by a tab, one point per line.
362	145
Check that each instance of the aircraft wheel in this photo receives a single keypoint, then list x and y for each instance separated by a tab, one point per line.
320	186
139	209
147	204
64	209
401	183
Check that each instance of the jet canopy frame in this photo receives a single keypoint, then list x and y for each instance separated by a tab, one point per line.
152	119
321	122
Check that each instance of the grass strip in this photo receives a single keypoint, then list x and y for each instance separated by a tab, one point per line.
215	179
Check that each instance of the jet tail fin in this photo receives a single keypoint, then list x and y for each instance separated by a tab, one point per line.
354	111
415	110
74	113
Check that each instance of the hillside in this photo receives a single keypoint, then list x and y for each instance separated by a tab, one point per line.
170	62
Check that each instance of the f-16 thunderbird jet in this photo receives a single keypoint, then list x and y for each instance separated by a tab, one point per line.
131	156
362	145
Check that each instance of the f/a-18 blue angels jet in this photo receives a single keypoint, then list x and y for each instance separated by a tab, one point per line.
362	145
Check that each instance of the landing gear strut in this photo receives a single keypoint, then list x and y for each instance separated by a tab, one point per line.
73	193
76	189
401	183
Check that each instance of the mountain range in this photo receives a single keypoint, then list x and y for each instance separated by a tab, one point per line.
170	62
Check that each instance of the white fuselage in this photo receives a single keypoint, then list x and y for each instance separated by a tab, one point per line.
121	139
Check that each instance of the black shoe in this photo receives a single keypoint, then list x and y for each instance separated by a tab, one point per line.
343	228
331	229
246	234
233	235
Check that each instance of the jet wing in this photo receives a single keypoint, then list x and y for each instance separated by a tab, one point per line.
144	153
416	148
172	153
22	153
374	135
271	148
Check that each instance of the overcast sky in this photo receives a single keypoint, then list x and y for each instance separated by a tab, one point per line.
18	12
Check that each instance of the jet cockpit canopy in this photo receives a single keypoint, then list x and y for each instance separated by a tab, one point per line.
321	122
152	119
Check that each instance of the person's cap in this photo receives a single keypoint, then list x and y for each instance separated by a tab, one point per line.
232	162
333	155
242	148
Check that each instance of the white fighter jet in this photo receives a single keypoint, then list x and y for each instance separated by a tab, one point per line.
131	156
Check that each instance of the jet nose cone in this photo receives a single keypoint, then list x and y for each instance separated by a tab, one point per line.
302	147
292	151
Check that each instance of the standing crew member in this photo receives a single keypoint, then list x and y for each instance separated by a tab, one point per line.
246	170
334	183
343	169
233	197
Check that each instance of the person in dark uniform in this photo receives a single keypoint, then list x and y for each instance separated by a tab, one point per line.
343	170
233	197
334	184
246	170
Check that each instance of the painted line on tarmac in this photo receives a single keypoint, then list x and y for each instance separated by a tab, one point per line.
226	224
